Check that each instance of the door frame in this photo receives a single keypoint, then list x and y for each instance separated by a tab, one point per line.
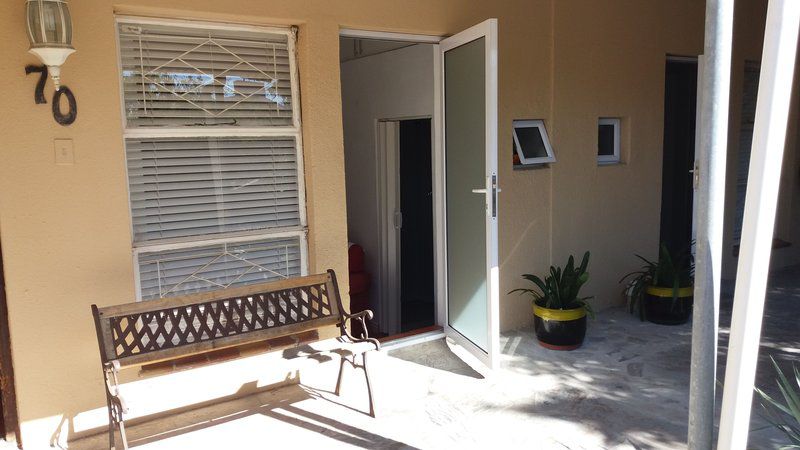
387	171
437	161
699	61
489	28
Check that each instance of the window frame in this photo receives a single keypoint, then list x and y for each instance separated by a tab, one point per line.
615	158
294	131
533	123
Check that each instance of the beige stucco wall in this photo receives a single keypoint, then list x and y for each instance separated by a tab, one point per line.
609	61
65	230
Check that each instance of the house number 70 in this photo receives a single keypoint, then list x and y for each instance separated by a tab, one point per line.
38	96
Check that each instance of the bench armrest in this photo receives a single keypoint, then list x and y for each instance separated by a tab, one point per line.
111	371
362	317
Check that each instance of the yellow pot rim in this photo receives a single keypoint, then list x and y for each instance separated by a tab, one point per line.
562	315
667	292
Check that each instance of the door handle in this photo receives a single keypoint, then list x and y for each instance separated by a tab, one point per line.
491	202
495	191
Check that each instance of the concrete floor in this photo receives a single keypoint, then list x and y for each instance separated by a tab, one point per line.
627	388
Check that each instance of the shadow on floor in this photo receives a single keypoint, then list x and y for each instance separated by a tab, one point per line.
626	384
333	429
279	405
629	382
436	355
780	339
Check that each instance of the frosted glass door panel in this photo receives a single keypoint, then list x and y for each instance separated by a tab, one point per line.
465	168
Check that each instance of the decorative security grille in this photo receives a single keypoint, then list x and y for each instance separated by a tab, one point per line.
151	331
194	77
177	272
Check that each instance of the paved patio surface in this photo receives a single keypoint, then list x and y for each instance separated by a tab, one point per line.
627	388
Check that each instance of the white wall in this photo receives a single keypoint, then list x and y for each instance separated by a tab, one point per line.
389	85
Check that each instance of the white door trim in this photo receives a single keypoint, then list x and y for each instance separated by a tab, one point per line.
390	36
439	231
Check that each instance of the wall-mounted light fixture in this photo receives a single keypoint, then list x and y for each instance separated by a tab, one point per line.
50	34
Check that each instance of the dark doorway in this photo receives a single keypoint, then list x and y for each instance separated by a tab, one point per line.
680	105
416	234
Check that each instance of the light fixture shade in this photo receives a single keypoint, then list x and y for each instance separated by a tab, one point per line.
50	33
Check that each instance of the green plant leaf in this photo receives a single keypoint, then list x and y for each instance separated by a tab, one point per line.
537	281
784	417
561	286
584	263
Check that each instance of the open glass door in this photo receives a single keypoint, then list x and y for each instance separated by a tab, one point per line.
469	66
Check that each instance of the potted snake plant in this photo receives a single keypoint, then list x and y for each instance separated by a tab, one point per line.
559	313
784	414
662	291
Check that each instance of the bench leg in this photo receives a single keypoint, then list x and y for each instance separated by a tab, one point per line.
116	409
115	422
369	385
341	372
111	427
123	435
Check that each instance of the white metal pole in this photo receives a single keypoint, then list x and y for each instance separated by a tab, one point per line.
710	198
769	139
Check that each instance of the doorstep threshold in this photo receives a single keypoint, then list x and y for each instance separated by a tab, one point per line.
412	337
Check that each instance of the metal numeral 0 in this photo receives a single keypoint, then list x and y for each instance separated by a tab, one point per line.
72	114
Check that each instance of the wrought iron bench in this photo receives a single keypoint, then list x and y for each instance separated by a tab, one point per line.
135	334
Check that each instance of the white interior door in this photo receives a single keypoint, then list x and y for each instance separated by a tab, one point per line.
389	223
469	77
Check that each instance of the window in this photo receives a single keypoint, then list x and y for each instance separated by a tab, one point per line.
214	159
608	137
531	144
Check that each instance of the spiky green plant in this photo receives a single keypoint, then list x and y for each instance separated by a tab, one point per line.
672	272
784	416
560	287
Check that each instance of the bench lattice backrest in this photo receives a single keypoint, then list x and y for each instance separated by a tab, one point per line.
150	331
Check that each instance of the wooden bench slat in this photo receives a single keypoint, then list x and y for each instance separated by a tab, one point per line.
203	297
149	331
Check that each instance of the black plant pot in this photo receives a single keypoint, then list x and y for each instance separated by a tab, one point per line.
559	329
660	307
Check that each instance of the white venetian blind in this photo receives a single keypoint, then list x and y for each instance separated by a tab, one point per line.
183	187
212	148
194	77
